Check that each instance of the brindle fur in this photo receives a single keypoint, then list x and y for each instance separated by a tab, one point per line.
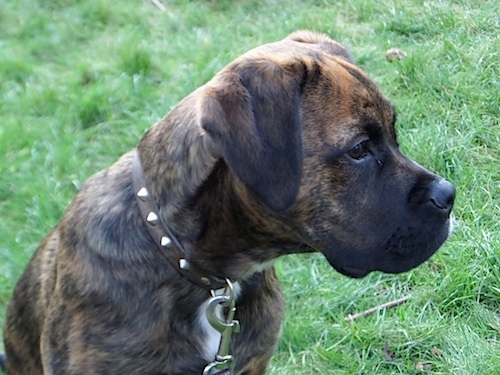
251	166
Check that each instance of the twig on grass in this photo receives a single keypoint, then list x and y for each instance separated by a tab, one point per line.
159	5
387	305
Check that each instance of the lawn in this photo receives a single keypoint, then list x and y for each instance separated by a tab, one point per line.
80	81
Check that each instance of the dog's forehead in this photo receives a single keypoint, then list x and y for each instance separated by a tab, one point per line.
340	87
359	102
354	100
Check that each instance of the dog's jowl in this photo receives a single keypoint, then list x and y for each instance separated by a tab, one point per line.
290	148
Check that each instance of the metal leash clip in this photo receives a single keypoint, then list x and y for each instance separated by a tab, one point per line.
224	361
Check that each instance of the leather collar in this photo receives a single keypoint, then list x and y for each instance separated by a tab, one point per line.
162	236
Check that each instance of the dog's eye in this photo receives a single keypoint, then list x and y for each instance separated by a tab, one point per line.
359	151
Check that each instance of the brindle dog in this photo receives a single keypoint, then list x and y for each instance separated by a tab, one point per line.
290	148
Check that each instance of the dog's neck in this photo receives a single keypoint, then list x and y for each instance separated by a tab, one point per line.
165	241
235	232
177	156
223	233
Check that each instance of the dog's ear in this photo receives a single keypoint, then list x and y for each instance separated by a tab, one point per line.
322	41
251	111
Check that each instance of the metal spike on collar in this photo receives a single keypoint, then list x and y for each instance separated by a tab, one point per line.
143	194
166	242
152	218
184	264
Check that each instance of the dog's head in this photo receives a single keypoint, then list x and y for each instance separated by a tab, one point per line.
312	140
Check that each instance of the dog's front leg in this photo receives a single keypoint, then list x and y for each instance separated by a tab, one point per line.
260	311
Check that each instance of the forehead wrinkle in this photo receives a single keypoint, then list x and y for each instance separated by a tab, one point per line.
352	99
383	107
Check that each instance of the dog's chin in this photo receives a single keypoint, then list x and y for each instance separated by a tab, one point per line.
353	272
391	257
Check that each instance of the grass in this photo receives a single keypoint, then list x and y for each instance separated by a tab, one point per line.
81	81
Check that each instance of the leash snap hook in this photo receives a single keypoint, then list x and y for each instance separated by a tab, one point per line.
226	325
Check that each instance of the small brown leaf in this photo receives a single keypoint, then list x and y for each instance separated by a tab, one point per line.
423	366
394	54
437	351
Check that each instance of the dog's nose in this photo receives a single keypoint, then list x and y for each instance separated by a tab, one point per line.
442	195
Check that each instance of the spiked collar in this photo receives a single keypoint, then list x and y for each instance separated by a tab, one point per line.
163	237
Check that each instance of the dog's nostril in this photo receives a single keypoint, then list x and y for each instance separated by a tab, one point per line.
442	195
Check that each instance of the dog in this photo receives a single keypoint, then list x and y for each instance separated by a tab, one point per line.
291	148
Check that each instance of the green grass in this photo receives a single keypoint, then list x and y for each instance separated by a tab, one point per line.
80	81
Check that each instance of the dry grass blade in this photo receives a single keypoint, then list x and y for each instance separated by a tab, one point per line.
159	5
